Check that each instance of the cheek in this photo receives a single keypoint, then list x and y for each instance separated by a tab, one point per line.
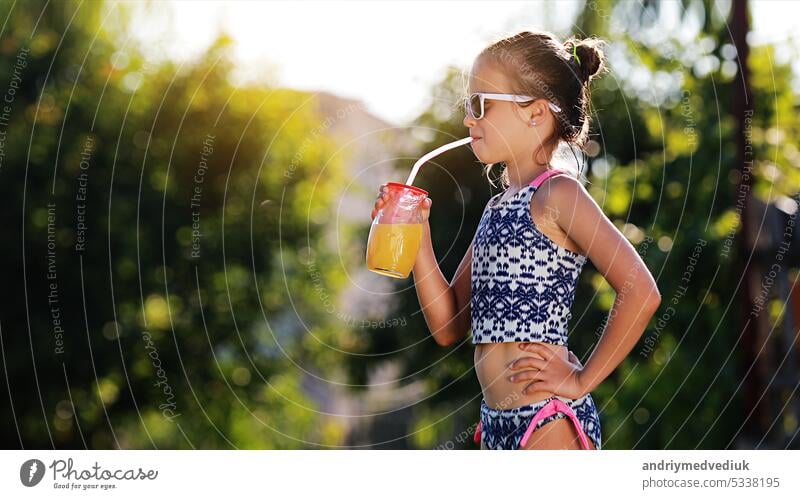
501	133
495	142
518	139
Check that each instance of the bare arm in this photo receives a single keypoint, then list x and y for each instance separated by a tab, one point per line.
614	256
445	305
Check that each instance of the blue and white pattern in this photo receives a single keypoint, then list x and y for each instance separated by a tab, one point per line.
504	428
523	283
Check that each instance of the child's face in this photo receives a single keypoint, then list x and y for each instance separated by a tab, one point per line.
505	131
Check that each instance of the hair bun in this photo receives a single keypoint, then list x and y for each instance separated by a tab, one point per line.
590	57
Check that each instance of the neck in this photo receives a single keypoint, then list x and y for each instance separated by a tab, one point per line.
520	177
521	174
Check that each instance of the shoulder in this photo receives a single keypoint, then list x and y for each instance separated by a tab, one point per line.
562	195
561	189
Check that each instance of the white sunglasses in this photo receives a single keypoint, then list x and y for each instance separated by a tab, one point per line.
475	101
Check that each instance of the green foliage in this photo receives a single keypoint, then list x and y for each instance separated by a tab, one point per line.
174	338
174	311
669	188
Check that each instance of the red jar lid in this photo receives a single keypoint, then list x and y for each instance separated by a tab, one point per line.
415	190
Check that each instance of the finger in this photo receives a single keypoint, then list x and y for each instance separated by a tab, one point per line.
523	376
538	349
536	386
527	363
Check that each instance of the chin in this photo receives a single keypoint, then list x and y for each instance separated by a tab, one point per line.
481	153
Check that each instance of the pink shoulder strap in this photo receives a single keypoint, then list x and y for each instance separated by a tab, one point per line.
544	176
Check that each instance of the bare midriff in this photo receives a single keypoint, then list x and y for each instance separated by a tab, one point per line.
491	366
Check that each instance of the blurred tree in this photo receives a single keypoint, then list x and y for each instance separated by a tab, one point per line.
162	228
167	267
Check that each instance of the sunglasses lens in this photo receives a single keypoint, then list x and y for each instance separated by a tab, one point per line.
474	108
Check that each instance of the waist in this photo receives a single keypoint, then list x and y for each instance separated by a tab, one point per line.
491	366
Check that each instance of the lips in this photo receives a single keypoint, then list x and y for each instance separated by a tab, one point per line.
476	138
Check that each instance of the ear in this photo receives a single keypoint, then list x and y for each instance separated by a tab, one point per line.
537	110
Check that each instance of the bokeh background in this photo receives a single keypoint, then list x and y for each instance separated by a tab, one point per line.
186	192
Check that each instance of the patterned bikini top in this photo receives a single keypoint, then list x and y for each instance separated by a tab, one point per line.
523	283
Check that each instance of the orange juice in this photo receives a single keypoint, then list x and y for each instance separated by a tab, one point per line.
392	248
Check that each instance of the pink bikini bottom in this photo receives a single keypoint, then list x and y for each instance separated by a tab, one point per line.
511	428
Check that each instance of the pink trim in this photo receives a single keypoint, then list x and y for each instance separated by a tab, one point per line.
477	437
550	408
544	176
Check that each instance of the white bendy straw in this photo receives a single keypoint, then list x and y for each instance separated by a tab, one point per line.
433	154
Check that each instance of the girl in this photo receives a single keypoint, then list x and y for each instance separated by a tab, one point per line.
528	96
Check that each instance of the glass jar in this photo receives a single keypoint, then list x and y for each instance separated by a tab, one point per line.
396	232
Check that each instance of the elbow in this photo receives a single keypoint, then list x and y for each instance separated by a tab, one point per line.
444	340
447	338
453	331
444	343
652	300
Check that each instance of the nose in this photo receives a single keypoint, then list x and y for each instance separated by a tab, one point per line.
469	121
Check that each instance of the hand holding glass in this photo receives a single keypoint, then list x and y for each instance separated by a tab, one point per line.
396	231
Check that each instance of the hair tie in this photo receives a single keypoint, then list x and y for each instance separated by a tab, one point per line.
575	54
